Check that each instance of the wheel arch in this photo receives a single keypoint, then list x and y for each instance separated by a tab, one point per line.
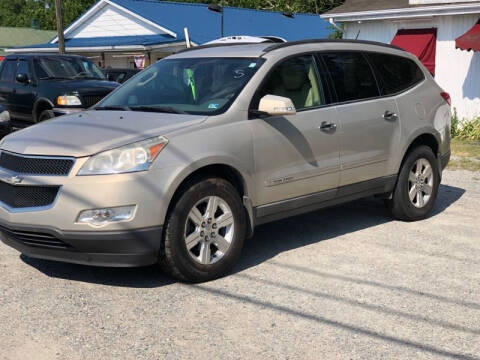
238	178
40	105
428	138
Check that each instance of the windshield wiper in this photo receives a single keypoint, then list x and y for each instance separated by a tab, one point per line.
113	107
160	109
56	78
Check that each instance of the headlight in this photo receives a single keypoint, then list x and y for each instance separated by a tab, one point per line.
4	117
69	100
130	158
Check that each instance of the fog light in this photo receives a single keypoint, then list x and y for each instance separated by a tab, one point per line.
99	217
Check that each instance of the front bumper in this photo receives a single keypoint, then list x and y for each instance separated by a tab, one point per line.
138	247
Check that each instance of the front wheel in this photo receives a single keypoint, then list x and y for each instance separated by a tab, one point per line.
46	115
204	233
417	186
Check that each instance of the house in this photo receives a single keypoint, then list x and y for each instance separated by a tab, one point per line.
11	36
445	35
118	32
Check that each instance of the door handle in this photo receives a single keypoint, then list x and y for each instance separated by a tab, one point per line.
327	126
388	115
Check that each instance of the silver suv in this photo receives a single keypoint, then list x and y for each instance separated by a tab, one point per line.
179	164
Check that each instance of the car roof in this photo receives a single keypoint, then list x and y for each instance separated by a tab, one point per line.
39	55
254	50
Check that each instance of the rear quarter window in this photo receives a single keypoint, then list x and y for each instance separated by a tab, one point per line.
395	73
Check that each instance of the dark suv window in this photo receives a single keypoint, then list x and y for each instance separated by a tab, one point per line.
8	70
395	73
23	68
352	76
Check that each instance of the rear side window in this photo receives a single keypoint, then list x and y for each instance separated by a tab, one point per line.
351	75
395	73
8	70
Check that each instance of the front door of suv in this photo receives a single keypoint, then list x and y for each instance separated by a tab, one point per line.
369	125
294	155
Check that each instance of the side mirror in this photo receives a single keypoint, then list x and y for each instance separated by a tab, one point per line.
22	78
276	106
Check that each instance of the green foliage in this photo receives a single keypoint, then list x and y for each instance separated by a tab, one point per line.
21	12
466	129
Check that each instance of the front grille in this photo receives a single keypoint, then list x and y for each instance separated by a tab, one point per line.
35	165
17	197
90	100
34	239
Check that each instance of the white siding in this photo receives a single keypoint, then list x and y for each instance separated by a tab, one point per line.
111	21
457	71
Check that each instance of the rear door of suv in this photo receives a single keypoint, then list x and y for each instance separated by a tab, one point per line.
7	75
369	127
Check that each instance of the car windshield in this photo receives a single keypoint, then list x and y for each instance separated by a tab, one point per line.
204	86
67	68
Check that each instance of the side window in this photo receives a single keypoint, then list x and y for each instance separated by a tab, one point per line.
296	79
395	73
351	75
8	70
23	68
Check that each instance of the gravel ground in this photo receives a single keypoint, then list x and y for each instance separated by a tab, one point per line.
343	283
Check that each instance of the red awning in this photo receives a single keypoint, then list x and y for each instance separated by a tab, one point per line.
470	40
420	42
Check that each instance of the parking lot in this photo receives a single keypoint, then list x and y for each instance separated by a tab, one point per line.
343	283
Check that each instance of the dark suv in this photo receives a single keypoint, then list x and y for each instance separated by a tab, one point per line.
39	87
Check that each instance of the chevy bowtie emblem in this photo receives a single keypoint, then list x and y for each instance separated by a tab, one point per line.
14	180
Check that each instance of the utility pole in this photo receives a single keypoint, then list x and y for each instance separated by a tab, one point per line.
61	38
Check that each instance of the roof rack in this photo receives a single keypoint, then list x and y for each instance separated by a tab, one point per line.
208	46
317	41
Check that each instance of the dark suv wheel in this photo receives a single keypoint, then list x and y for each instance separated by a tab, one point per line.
417	186
45	115
204	233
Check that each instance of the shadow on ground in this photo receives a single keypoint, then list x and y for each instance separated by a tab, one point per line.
269	240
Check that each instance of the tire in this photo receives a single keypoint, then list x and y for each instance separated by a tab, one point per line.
415	171
205	260
46	115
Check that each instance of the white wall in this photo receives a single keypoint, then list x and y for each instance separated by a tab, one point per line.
111	21
457	71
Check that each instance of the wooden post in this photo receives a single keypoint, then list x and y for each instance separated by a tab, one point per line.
61	38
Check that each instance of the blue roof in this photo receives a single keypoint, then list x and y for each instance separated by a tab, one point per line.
205	25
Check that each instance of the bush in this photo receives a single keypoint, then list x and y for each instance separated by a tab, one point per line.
466	129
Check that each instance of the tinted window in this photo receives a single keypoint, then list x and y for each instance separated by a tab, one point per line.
8	70
297	80
395	73
352	76
23	68
66	68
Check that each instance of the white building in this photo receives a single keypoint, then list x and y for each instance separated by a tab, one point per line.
432	30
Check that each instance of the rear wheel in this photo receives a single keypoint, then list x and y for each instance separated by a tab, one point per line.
204	233
45	115
417	186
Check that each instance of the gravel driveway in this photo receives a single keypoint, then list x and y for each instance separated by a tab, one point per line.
342	283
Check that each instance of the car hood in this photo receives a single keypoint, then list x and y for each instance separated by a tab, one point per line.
91	132
85	86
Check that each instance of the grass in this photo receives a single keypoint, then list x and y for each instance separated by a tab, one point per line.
465	155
